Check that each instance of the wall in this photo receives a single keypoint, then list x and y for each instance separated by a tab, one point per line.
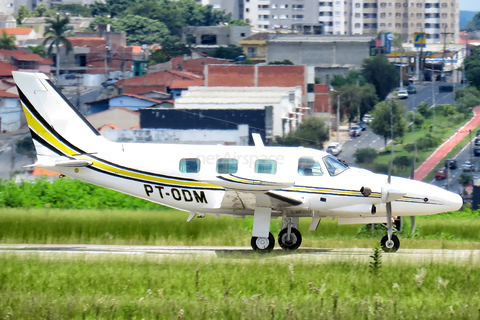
237	136
326	74
119	117
10	114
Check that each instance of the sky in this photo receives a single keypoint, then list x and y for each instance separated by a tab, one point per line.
470	5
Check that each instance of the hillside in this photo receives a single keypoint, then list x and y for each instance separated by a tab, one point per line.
466	16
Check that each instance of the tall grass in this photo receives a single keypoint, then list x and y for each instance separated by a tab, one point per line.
169	227
34	288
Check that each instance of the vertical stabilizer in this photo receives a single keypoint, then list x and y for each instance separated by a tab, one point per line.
53	120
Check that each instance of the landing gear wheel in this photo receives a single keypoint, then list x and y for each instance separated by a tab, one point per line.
295	239
391	246
263	245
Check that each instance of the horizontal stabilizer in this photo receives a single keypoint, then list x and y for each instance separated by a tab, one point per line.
61	163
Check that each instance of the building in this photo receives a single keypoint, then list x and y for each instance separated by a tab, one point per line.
10	112
7	21
255	46
22	35
126	101
438	18
39	23
115	118
204	38
178	86
234	7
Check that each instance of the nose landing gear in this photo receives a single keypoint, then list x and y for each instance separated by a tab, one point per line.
390	245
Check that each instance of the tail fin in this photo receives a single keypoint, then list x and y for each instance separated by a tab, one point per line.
53	121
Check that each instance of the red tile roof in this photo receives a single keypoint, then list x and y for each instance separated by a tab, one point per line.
7	53
46	61
184	84
186	74
5	94
6	69
15	31
126	94
29	57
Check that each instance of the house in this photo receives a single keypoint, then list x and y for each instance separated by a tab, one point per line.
207	38
40	23
255	46
178	86
157	81
6	70
31	62
10	112
196	65
7	21
114	118
126	101
21	34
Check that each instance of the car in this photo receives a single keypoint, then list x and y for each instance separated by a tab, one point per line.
402	94
467	166
440	174
363	125
70	76
355	131
109	82
477	142
451	163
476	152
334	148
478	132
411	89
367	118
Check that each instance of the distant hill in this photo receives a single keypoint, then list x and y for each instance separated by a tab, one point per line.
466	16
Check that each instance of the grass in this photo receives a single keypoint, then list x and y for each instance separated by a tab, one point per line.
32	287
169	227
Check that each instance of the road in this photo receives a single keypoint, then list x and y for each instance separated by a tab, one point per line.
315	255
368	139
424	94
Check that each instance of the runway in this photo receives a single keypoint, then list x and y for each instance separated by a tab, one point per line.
162	253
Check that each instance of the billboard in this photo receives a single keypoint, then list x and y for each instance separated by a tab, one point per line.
419	39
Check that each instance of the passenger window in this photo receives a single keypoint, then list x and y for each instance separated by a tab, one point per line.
190	165
227	165
266	166
307	166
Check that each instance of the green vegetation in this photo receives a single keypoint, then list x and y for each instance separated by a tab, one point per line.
255	288
381	73
382	122
7	42
169	227
311	133
56	33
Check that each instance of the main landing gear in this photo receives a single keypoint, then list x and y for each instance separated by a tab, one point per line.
288	239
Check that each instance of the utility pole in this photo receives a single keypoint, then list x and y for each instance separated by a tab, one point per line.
123	72
433	97
445	33
338	116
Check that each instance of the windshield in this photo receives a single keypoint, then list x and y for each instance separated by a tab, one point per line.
334	166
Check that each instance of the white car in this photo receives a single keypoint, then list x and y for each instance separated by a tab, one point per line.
334	148
402	94
367	118
355	131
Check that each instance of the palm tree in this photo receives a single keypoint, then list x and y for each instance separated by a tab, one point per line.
56	35
7	42
40	50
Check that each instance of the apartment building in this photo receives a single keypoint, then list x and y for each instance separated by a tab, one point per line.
437	18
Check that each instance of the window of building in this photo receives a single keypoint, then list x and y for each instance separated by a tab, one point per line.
308	166
357	5
444	15
337	3
297	7
382	25
398	25
247	10
419	5
436	36
398	15
209	39
274	6
337	13
444	5
405	25
389	14
81	60
419	25
383	15
357	25
284	6
419	16
337	23
383	5
398	5
389	25
275	16
297	17
444	25
266	166
263	7
412	4
190	165
283	16
225	165
405	15
357	15
405	5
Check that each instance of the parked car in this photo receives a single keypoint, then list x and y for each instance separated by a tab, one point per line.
363	125
452	163
334	148
402	94
476	152
70	76
478	132
367	118
109	82
468	166
411	89
440	174
355	131
477	142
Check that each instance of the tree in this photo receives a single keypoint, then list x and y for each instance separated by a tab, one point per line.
40	50
365	155
465	179
75	10
350	100
230	52
381	123
23	13
40	11
284	62
55	35
368	99
100	20
7	42
238	23
171	47
194	14
353	77
99	9
473	24
311	133
141	30
381	73
162	11
119	7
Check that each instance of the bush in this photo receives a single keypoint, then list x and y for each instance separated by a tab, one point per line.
402	162
409	147
365	155
427	142
458	118
424	110
448	110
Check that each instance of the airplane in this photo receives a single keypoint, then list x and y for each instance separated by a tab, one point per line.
260	181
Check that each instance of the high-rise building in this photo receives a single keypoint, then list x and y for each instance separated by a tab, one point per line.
439	19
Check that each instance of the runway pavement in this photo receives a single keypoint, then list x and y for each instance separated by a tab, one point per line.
162	253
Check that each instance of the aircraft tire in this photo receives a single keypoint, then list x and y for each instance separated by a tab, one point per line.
259	245
295	242
396	244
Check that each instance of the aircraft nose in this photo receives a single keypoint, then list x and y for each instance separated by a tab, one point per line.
452	201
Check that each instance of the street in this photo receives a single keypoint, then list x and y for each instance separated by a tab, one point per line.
424	94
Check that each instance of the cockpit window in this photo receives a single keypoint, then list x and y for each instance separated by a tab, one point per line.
308	166
334	166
